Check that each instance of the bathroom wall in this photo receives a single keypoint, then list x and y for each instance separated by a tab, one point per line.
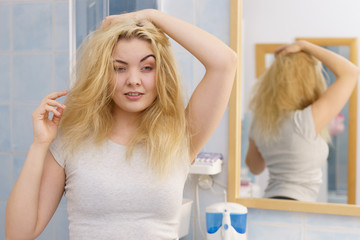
34	61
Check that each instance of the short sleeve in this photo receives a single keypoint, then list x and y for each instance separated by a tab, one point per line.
251	130
56	149
304	122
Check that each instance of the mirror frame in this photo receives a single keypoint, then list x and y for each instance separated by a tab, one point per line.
234	155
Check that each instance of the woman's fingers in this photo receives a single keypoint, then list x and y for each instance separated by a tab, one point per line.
49	104
57	117
112	19
290	48
54	103
52	110
56	95
280	49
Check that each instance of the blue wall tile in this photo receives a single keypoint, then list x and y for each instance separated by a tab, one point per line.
199	71
5	176
32	77
274	232
212	16
61	70
186	67
274	216
32	26
219	140
2	220
61	224
5	145
180	9
4	76
61	26
5	27
22	127
329	234
328	220
48	231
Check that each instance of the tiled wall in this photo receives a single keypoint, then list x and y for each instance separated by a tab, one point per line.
34	62
34	43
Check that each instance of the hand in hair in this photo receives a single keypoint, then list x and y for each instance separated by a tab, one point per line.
290	48
113	19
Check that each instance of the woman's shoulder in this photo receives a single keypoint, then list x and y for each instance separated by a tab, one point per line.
303	122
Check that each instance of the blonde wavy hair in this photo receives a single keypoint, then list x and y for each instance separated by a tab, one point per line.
88	116
291	83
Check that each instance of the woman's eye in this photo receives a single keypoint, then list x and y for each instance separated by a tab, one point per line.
119	69
147	68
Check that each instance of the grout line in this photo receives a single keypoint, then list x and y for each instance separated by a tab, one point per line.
38	52
53	45
303	219
14	153
275	224
335	229
26	1
193	58
195	216
328	229
11	104
20	103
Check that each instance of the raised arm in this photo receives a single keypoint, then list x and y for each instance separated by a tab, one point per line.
39	188
338	93
210	98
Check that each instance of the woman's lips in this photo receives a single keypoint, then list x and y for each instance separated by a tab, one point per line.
133	95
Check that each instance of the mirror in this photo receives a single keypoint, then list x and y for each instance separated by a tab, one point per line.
235	128
338	173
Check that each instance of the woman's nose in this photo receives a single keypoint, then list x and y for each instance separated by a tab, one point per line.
133	78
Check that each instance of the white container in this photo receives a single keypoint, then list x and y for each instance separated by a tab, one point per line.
185	217
226	221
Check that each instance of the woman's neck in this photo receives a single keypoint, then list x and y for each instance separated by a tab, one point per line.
124	127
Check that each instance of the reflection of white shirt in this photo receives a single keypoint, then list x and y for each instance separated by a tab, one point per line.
109	197
294	161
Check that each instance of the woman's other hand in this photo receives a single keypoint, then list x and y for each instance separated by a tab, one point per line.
45	129
290	48
138	15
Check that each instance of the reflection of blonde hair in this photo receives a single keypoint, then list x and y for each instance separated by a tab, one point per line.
292	82
162	126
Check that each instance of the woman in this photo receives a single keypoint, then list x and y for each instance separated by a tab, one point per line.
292	109
125	139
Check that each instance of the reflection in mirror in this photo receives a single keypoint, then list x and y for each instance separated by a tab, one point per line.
334	183
236	104
337	184
342	155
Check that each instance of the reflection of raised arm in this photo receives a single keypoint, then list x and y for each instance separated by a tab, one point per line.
254	160
209	100
39	187
335	97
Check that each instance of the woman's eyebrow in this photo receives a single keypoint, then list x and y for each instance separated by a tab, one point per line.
143	59
120	61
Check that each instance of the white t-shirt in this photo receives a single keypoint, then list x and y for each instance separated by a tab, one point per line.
294	161
109	197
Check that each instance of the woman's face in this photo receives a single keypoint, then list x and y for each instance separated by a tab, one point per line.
135	76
